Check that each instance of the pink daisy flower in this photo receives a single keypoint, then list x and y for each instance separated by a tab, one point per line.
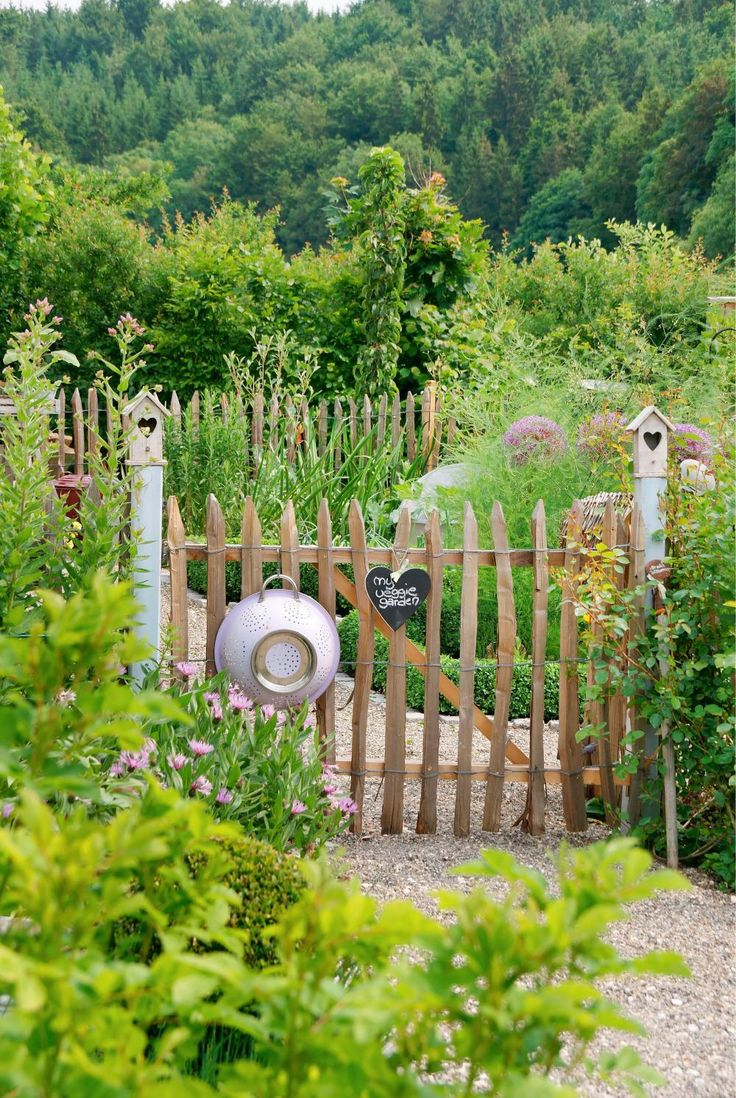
200	747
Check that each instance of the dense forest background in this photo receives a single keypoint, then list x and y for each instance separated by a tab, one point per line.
547	118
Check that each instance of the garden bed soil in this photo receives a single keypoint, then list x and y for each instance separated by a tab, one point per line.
691	1023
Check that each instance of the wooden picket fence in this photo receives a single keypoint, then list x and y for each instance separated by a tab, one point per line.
577	770
416	425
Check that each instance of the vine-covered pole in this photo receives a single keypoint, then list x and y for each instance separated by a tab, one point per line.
649	432
145	414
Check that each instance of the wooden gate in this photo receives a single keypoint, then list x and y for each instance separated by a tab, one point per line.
505	760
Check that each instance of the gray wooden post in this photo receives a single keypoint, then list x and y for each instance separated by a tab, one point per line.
146	414
649	431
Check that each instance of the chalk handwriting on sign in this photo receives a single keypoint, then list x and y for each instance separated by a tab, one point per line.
396	599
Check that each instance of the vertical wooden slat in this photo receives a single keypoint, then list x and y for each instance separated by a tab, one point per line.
194	411
289	545
427	411
396	421
251	566
304	427
322	427
504	670
427	818
608	788
437	429
451	430
78	431
533	820
215	577
176	540
392	815
337	433
257	427
636	577
326	703
617	704
364	664
93	422
175	408
468	637
411	435
273	419
570	751
61	427
353	417
367	450
290	429
382	413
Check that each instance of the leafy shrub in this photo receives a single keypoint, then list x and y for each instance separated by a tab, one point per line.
265	882
513	980
485	677
690	699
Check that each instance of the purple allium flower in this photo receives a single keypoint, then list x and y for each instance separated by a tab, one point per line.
177	761
238	700
201	785
534	436
224	796
267	712
348	807
298	807
689	441
188	670
200	747
601	433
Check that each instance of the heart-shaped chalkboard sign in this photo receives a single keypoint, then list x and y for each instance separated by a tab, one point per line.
652	439
397	599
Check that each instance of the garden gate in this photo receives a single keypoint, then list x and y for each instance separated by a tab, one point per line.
577	767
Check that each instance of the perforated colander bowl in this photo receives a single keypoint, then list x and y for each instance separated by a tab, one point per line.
280	647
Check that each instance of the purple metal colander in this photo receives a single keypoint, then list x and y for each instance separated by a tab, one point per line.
280	647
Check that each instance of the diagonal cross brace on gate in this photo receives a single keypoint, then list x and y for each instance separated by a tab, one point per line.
416	657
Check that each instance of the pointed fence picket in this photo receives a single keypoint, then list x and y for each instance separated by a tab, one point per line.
507	762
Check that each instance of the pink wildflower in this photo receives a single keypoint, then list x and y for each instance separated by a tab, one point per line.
281	718
135	760
348	807
200	747
267	712
117	769
328	789
201	785
7	809
224	796
310	721
238	700
298	807
177	761
188	670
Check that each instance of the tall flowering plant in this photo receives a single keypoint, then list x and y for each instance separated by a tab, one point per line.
534	437
264	769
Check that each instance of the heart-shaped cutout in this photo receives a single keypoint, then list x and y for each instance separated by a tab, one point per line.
147	426
652	439
397	599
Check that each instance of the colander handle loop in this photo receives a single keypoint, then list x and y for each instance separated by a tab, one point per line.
279	576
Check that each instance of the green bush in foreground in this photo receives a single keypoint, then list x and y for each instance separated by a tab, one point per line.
485	677
358	1000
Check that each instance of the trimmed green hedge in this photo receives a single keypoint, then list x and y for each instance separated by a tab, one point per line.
485	677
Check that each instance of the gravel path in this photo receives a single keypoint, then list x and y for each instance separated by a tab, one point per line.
691	1023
